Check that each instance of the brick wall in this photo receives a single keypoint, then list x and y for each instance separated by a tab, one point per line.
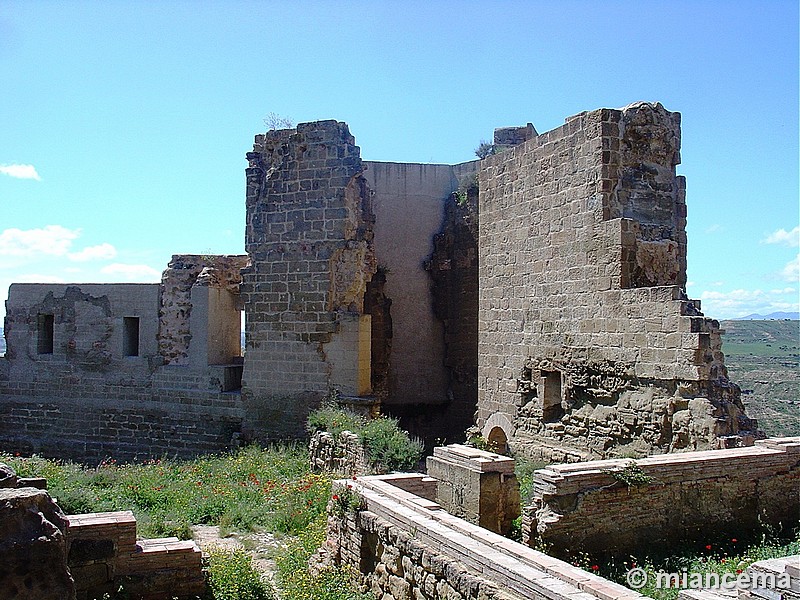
405	546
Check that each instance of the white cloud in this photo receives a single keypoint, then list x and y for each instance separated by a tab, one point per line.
103	251
20	171
714	228
781	236
741	302
51	240
134	273
791	272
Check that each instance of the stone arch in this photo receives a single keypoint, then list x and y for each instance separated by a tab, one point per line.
497	431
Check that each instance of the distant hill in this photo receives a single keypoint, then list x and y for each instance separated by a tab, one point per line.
763	357
776	315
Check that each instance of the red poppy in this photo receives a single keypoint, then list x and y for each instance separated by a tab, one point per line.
595	568
335	497
734	540
738	571
708	547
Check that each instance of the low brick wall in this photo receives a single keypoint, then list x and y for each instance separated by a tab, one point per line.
690	496
103	553
405	546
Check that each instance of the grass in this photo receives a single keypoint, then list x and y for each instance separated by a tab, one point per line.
253	488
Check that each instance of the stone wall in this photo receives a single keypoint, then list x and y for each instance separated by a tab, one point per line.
405	546
125	370
342	454
309	236
691	496
588	345
430	379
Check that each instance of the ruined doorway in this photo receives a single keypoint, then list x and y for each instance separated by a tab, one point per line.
497	441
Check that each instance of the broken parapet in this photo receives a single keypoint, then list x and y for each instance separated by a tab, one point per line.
200	303
476	485
666	499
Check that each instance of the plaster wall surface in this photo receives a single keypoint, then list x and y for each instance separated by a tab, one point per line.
409	202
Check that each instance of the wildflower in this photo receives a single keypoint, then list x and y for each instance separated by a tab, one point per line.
708	547
349	487
335	497
738	571
595	568
734	540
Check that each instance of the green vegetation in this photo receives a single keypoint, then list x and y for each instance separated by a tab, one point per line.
257	489
729	556
253	488
763	357
631	475
233	577
298	583
388	448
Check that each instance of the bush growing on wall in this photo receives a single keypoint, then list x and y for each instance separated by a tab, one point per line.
387	446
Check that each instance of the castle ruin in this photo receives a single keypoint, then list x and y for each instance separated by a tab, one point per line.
536	294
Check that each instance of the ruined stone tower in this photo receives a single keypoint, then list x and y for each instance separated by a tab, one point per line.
309	237
588	343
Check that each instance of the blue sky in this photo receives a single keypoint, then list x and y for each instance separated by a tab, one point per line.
124	125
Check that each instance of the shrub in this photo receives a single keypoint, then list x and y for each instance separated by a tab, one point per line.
232	576
388	447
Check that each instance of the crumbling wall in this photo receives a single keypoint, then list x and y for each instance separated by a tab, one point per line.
454	269
309	237
183	274
99	386
33	549
665	500
588	346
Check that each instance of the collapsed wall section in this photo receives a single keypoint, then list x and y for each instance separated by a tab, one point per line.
588	345
309	236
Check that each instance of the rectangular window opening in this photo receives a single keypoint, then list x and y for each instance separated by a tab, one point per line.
44	340
130	336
